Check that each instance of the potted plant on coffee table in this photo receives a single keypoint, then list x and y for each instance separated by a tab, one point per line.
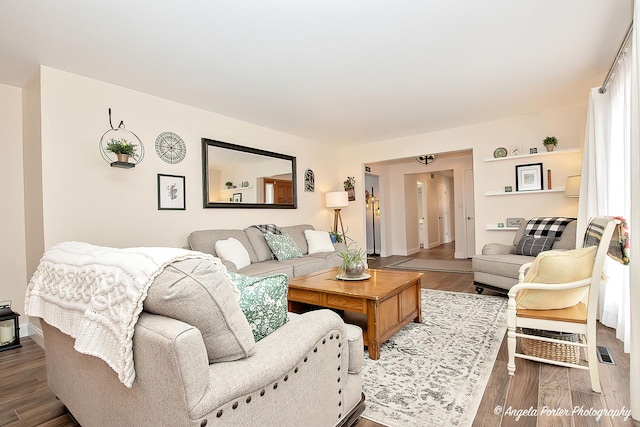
353	259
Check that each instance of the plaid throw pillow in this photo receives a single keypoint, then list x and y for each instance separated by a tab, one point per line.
532	246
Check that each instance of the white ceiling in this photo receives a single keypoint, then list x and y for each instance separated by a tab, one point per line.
333	71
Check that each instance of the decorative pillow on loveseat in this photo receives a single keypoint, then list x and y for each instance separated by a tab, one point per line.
282	246
198	292
532	246
263	301
557	267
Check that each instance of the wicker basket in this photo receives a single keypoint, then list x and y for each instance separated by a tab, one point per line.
551	350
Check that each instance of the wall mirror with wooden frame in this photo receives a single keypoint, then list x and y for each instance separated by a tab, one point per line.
235	176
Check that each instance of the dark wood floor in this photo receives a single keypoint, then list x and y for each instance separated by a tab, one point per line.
26	401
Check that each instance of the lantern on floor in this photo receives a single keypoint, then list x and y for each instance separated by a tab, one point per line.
9	327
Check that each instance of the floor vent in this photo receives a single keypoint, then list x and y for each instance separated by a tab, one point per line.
604	356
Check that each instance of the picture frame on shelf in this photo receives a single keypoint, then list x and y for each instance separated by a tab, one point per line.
171	192
237	198
508	189
533	150
529	177
514	222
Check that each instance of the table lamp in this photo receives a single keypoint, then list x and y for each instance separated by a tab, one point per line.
572	189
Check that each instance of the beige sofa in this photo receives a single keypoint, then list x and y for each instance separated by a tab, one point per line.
497	268
306	372
262	262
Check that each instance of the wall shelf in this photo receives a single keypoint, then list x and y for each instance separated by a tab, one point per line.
524	156
236	189
494	227
519	193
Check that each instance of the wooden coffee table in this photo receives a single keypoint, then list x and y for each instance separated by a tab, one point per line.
389	299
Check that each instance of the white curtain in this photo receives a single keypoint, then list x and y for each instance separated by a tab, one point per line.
606	184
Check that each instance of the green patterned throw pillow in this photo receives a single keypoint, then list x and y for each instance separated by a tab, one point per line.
282	246
263	301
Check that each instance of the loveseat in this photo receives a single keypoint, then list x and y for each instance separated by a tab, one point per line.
197	364
497	268
260	254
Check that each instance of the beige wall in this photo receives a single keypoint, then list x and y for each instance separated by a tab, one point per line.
567	124
87	200
13	274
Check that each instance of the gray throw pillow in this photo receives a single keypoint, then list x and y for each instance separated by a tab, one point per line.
198	292
532	246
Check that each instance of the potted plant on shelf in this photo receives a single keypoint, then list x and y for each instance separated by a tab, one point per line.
228	184
550	142
122	149
353	259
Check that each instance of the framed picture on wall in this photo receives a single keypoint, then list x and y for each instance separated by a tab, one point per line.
529	177
171	192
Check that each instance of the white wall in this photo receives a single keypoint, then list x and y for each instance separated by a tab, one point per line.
87	200
566	123
13	274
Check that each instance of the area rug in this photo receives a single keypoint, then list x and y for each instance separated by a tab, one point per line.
456	266
434	373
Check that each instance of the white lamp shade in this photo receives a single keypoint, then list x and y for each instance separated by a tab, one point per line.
572	189
337	199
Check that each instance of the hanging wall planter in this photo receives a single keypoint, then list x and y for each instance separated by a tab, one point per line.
120	147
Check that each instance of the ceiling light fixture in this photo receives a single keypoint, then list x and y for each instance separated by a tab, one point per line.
427	158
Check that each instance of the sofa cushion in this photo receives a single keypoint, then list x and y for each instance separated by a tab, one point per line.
232	250
282	246
308	265
557	267
297	235
500	265
267	268
532	246
318	241
205	240
259	243
263	301
199	292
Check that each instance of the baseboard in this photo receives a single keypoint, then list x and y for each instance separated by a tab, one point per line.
35	333
434	245
413	251
459	255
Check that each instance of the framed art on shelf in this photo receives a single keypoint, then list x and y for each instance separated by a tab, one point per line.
171	192
237	197
529	177
516	150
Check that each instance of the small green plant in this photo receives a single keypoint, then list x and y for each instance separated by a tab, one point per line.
228	184
122	146
352	256
550	140
336	236
350	183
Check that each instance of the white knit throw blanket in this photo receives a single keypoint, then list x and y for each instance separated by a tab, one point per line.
95	294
